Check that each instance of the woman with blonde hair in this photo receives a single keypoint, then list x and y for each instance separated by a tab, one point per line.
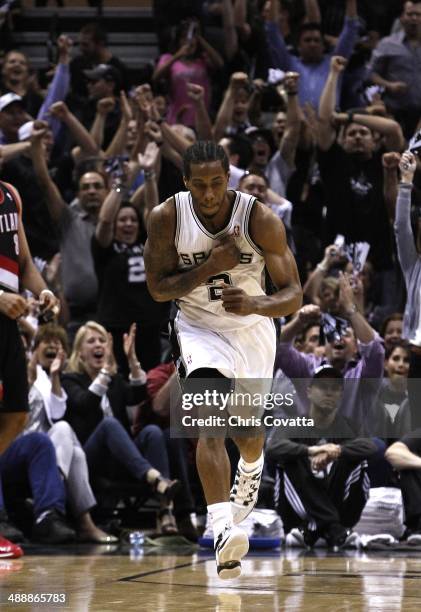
96	409
47	402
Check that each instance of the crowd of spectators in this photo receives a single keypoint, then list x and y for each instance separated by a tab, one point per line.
314	103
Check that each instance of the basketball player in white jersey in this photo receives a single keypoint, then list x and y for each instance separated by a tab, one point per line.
207	248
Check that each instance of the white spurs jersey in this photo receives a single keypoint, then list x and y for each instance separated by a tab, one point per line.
203	306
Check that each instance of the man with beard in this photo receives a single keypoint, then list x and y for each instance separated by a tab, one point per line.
323	480
357	352
76	225
352	172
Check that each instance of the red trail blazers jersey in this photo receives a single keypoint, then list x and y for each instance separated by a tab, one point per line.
9	240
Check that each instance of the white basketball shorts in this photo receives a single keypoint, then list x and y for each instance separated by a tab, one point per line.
245	353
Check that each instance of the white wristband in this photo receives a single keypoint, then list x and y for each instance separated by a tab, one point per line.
46	291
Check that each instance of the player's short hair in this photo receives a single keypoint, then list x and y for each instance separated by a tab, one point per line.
202	152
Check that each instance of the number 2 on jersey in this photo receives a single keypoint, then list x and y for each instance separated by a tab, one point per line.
136	270
215	289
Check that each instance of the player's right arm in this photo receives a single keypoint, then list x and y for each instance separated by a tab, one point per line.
165	283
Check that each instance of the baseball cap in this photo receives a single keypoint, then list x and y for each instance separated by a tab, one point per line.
25	131
258	132
103	71
255	133
9	98
327	371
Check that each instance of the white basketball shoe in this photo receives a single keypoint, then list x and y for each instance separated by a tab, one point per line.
244	492
230	547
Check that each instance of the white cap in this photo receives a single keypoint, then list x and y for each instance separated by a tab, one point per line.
25	130
8	99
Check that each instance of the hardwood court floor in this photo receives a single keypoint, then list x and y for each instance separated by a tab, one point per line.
110	580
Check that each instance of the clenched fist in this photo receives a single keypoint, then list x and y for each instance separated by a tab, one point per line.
237	301
12	305
338	63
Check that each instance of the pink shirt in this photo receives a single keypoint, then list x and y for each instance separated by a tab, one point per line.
182	73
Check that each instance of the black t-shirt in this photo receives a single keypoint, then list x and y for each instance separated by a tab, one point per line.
123	294
85	111
353	193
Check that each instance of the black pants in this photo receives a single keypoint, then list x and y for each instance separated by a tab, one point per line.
411	497
321	504
414	390
410	481
13	373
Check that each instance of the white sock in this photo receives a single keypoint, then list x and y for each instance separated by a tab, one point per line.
152	474
252	467
221	516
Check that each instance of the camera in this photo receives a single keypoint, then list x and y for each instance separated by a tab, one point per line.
332	328
115	165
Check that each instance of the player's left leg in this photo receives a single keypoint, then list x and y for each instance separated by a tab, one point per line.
231	543
13	383
245	490
255	354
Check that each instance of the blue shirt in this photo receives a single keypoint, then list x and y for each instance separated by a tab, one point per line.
313	75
